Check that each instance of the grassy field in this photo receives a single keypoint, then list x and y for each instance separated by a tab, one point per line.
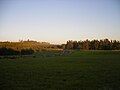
80	70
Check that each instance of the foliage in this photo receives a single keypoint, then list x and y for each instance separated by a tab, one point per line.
28	47
93	45
27	51
34	45
9	51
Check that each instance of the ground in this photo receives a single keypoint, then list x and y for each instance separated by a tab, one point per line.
79	70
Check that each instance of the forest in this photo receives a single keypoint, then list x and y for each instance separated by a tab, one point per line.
29	47
104	44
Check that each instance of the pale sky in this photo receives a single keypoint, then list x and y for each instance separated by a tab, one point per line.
57	21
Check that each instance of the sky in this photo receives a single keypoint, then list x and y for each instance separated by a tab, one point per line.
57	21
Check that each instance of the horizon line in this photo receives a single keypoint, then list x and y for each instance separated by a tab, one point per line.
40	41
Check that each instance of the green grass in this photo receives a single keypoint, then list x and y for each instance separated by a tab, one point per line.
81	70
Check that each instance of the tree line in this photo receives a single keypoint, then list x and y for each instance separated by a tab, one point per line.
104	44
29	47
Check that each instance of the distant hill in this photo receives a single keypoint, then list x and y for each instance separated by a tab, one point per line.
34	45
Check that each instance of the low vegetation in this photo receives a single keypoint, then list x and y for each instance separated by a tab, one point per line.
54	70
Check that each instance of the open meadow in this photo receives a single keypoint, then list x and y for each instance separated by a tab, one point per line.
78	70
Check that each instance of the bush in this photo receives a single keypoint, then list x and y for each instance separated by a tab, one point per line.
8	51
27	51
